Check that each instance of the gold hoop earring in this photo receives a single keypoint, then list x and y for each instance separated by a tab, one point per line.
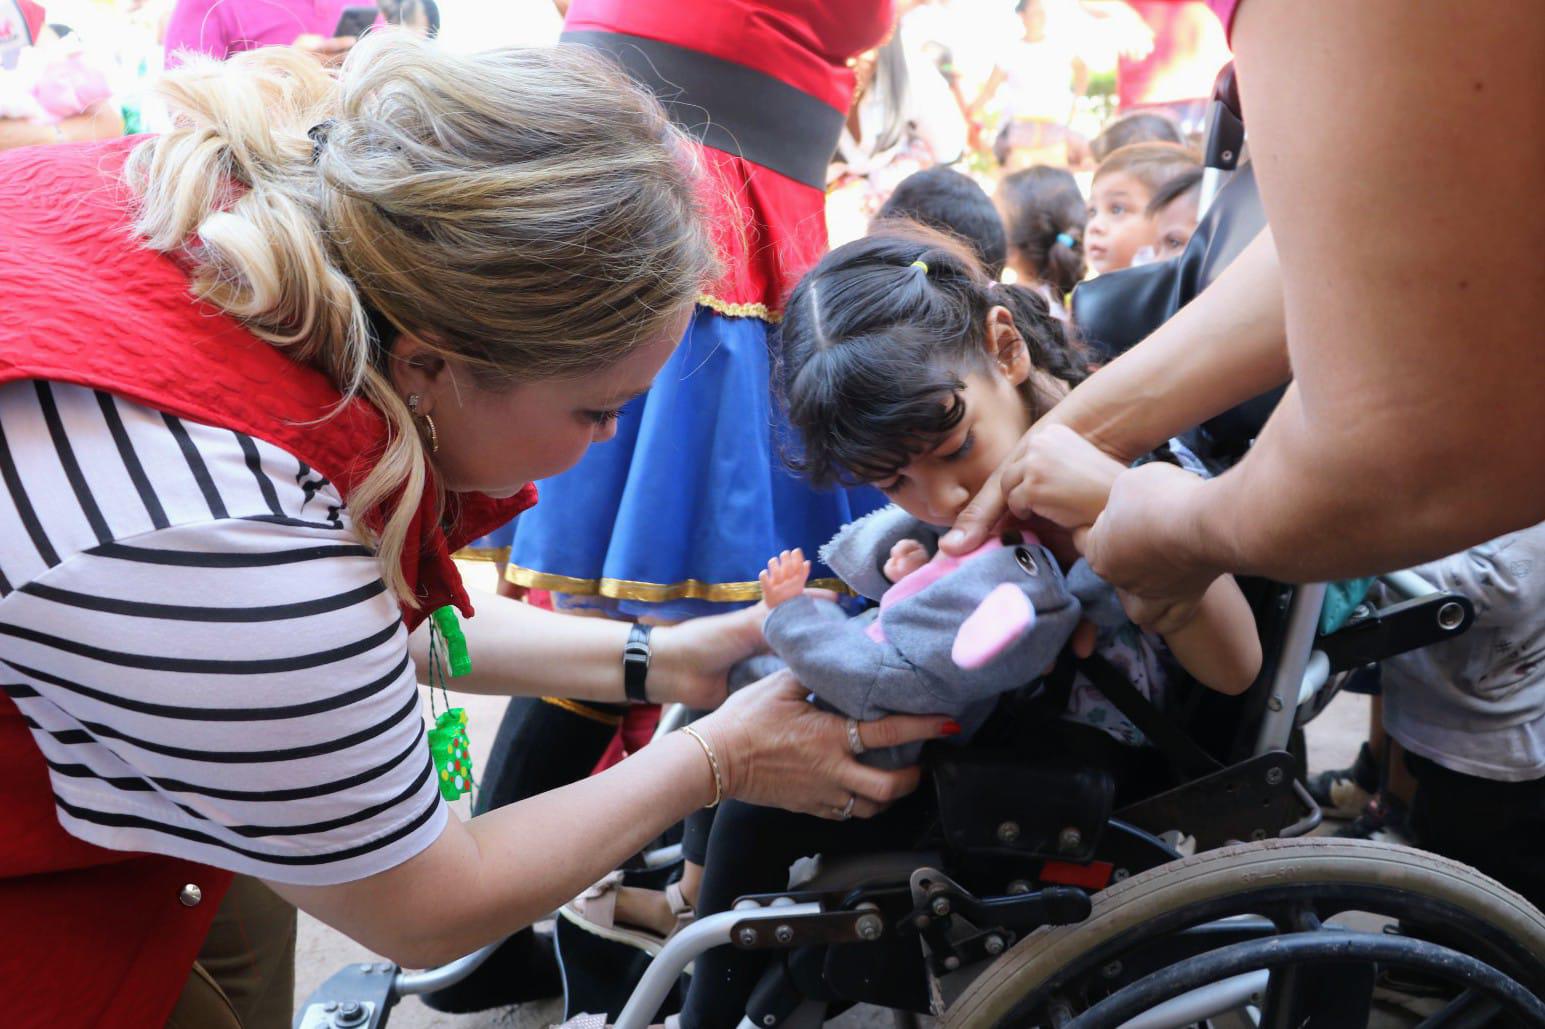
429	423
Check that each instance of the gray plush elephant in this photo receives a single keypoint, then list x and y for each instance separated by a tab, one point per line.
946	639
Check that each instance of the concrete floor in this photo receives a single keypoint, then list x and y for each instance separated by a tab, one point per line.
1333	741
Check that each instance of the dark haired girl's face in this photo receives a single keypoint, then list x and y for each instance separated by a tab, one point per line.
936	484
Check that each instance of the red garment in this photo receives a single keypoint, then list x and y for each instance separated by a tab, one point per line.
90	936
770	228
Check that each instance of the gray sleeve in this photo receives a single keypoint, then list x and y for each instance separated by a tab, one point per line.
1504	578
835	658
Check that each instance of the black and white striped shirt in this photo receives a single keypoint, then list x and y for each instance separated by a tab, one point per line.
205	653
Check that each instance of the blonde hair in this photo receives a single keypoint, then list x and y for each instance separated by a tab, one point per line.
1152	163
530	212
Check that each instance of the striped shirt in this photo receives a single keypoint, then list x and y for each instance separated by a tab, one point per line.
205	653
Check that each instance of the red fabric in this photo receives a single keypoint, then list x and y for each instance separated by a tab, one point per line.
34	16
770	228
633	735
90	936
805	43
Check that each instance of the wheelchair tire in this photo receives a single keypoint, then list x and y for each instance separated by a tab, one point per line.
1024	978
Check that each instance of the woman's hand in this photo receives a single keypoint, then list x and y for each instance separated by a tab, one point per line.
1145	545
692	660
778	750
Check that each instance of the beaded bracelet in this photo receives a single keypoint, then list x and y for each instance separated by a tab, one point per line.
713	763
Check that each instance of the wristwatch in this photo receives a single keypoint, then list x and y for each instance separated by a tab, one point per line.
635	663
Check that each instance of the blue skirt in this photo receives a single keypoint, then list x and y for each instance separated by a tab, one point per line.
675	516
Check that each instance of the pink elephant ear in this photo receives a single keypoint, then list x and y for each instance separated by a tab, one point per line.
1002	617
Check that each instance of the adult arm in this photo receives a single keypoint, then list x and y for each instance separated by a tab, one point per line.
1412	285
1223	348
503	870
99	121
522	650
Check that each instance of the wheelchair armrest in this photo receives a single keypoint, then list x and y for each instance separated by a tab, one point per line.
998	802
1408	625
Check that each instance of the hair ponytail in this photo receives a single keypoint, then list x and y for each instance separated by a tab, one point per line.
529	212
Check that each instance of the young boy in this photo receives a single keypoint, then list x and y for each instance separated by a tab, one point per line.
1124	185
1173	211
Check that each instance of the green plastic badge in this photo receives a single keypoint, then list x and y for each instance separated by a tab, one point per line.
452	753
455	641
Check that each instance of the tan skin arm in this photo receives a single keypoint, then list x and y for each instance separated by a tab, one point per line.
487	877
100	121
517	646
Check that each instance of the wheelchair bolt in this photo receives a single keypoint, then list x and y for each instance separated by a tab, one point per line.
952	962
747	937
941	906
1258	834
1019	886
993	945
769	1019
870	927
1120	874
783	934
1450	616
1226	155
351	1013
1274	704
1069	840
1111	970
1008	832
1274	777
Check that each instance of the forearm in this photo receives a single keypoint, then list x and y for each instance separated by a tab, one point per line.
484	879
1310	505
1225	347
100	121
521	650
1220	647
20	132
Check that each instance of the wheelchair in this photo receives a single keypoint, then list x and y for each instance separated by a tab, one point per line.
1037	901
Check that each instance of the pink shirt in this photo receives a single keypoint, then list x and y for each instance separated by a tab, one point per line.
221	28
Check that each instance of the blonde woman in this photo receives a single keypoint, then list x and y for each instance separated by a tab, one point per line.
259	377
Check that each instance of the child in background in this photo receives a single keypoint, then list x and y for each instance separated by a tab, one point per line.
1173	211
1470	715
1043	216
1137	127
944	199
1124	185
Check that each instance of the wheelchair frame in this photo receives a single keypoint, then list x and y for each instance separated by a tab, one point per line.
1289	693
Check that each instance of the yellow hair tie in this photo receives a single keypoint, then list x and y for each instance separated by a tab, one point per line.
921	264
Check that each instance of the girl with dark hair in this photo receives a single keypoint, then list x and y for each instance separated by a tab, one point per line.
904	366
1043	217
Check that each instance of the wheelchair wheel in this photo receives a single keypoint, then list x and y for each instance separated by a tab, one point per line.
1272	892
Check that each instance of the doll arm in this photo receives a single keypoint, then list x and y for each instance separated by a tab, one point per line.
784	578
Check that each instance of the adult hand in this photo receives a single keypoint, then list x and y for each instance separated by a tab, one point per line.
692	660
1144	544
1052	472
778	750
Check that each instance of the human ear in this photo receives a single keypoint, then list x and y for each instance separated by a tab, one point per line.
1005	346
416	367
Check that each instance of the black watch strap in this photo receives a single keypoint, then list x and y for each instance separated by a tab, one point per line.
635	663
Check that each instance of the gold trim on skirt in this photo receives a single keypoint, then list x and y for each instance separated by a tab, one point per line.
482	554
650	592
574	707
733	310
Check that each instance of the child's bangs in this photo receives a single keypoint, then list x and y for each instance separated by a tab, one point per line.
860	420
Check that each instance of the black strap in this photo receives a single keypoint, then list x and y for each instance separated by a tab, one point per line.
1178	748
729	106
635	664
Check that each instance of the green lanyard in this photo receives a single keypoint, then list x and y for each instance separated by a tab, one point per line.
448	743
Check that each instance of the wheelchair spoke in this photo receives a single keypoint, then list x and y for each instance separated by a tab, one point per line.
1326	995
1469	1010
